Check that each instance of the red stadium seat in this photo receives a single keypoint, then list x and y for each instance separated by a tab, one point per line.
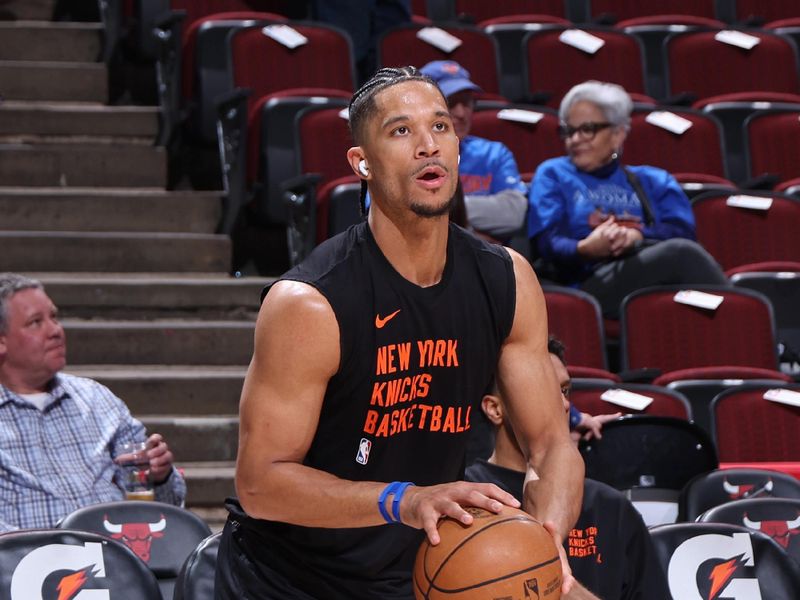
553	67
660	333
697	150
531	143
477	53
755	12
614	11
771	143
574	318
585	396
749	428
742	236
699	66
476	11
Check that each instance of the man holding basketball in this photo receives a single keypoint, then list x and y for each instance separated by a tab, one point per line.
369	358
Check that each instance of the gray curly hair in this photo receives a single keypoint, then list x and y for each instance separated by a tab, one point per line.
610	98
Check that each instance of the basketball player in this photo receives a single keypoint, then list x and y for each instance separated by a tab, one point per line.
369	359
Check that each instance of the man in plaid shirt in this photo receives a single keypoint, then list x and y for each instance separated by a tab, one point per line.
59	434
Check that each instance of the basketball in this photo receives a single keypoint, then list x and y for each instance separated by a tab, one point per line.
508	555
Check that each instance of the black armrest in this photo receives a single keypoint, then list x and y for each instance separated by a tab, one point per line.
765	181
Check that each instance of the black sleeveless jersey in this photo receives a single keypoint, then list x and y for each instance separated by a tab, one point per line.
414	365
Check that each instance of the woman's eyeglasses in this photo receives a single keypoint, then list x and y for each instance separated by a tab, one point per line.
587	131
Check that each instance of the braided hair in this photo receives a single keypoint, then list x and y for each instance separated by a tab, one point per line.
362	105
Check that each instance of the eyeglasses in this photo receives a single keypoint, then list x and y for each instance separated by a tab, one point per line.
587	130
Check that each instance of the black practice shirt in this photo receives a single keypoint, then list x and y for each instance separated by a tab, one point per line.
414	365
609	550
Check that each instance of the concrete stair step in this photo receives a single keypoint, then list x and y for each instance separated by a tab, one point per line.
108	209
52	80
40	10
148	297
83	165
219	435
208	484
164	390
114	252
23	121
162	342
43	40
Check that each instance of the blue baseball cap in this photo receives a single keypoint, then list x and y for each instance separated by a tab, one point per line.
450	76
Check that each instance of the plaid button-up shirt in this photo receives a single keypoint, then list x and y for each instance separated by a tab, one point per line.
59	459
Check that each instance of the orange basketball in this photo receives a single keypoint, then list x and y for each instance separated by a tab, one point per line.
506	555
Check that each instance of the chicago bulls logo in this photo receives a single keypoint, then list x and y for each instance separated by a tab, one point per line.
780	531
746	490
136	536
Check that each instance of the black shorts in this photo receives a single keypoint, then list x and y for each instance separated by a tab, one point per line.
239	578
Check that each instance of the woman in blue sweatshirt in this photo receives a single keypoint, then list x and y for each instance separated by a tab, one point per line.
591	225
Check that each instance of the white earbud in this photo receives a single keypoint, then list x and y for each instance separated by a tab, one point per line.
362	168
459	159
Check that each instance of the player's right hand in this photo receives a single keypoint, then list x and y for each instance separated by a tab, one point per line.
422	507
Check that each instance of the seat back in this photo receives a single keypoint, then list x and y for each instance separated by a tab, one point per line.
779	518
275	154
712	489
196	578
650	452
477	53
770	143
205	69
714	560
701	66
612	11
161	535
45	563
783	290
586	396
475	11
574	318
530	143
658	332
340	200
756	13
749	428
697	150
739	236
553	67
265	66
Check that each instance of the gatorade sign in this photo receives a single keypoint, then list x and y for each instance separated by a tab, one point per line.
35	577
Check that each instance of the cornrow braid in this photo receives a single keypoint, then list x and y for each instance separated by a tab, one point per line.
362	104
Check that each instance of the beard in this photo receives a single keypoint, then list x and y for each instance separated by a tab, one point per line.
431	212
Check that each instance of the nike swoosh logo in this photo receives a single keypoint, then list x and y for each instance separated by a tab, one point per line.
379	323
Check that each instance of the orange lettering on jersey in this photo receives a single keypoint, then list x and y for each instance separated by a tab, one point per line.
404	354
372	420
377	393
452	355
436	418
438	353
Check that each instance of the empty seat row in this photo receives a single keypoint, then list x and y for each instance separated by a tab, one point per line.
607	11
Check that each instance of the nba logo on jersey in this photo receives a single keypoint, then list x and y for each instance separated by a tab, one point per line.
364	446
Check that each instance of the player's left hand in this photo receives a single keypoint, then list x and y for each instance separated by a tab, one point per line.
567	580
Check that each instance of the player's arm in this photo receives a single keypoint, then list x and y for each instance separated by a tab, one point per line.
531	393
296	353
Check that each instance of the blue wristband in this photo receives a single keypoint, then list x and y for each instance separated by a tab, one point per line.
398	495
389	489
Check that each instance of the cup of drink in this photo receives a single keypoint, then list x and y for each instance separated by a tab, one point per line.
134	471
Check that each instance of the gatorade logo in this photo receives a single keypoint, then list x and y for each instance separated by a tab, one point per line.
85	563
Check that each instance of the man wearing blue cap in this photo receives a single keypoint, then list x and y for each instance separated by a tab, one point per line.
494	193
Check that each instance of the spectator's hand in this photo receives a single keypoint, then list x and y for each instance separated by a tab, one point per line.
422	507
160	458
625	240
598	243
591	425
